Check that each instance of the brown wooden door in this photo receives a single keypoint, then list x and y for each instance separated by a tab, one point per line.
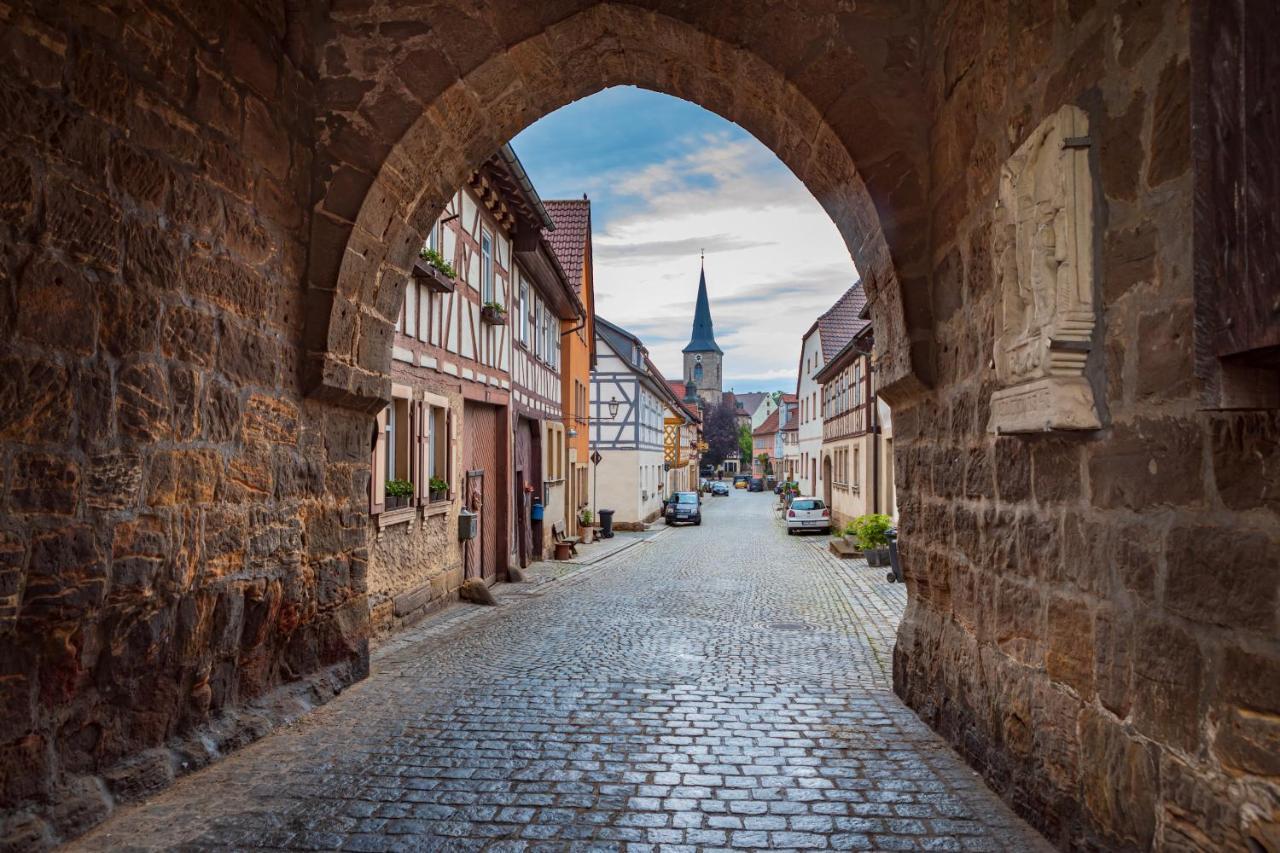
482	454
526	466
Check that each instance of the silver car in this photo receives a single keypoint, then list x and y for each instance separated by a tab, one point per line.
808	514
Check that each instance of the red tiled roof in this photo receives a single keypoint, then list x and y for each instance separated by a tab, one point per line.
571	235
769	426
842	321
677	388
790	398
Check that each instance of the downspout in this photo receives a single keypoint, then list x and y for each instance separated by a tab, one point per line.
875	444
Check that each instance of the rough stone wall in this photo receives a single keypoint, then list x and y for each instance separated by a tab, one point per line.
416	567
1093	617
181	532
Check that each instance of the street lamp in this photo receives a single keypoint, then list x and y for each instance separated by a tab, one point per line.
613	407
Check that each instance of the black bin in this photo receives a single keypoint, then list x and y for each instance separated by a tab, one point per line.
894	576
606	523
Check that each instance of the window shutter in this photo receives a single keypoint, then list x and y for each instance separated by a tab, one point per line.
448	448
420	452
378	465
411	447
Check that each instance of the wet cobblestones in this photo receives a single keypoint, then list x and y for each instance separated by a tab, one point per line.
718	687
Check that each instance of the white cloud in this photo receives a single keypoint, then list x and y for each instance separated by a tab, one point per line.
774	258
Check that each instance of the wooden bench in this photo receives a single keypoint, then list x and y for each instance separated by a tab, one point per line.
566	546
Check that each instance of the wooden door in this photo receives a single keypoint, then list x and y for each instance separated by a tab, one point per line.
482	460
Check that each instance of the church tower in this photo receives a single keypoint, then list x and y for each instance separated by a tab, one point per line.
703	358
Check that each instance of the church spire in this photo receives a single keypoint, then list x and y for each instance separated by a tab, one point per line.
703	338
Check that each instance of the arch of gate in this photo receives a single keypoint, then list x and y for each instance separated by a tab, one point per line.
409	108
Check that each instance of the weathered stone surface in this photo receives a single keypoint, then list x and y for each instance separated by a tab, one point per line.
1167	681
177	257
1222	576
1147	462
1171	124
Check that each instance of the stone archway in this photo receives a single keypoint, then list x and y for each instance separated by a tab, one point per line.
208	220
393	155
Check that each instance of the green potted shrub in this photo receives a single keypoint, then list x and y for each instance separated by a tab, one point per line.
438	488
493	313
399	493
872	534
586	525
850	534
432	268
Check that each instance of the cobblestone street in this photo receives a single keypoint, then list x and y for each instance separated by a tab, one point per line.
714	686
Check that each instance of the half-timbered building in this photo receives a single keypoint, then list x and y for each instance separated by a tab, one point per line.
857	451
629	478
544	299
443	445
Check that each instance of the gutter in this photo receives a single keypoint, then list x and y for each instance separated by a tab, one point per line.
508	154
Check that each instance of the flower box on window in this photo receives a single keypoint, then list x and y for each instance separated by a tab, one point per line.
436	280
494	314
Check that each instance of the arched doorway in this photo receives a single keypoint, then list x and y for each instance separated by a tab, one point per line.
826	479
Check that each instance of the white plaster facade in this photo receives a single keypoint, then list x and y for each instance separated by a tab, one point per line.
809	411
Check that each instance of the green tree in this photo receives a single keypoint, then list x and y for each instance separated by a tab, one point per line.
745	444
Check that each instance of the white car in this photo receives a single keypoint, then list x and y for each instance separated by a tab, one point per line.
808	514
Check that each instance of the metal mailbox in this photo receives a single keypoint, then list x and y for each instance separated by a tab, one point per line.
468	525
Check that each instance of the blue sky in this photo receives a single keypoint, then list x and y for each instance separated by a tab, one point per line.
666	178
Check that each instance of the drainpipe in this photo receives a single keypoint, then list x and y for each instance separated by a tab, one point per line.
875	445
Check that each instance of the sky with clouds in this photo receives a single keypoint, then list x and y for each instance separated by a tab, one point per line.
666	179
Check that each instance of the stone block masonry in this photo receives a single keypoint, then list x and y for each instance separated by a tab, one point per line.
182	545
209	213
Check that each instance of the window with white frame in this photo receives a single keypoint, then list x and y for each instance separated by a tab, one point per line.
410	309
488	289
438	446
412	445
523	325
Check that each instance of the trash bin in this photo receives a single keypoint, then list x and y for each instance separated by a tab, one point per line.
894	576
606	523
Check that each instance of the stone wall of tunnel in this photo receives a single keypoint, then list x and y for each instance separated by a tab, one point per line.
182	530
202	250
1093	616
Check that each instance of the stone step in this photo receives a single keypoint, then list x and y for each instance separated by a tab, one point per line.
844	549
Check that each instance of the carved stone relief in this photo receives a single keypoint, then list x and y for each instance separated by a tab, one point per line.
1043	246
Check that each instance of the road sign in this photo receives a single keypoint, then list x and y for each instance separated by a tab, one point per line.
596	457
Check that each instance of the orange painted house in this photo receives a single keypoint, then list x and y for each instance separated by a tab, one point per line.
571	242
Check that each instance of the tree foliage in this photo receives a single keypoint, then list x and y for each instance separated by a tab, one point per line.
720	431
745	444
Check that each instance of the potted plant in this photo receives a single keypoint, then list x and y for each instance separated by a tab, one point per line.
871	531
438	488
398	493
850	534
432	268
586	520
493	313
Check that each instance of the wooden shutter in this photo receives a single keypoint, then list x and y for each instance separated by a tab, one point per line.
448	448
378	465
420	452
411	447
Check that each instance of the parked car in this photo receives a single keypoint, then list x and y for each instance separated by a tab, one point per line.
720	489
684	506
808	513
741	482
757	485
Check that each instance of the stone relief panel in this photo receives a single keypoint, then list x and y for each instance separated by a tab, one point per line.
1043	245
